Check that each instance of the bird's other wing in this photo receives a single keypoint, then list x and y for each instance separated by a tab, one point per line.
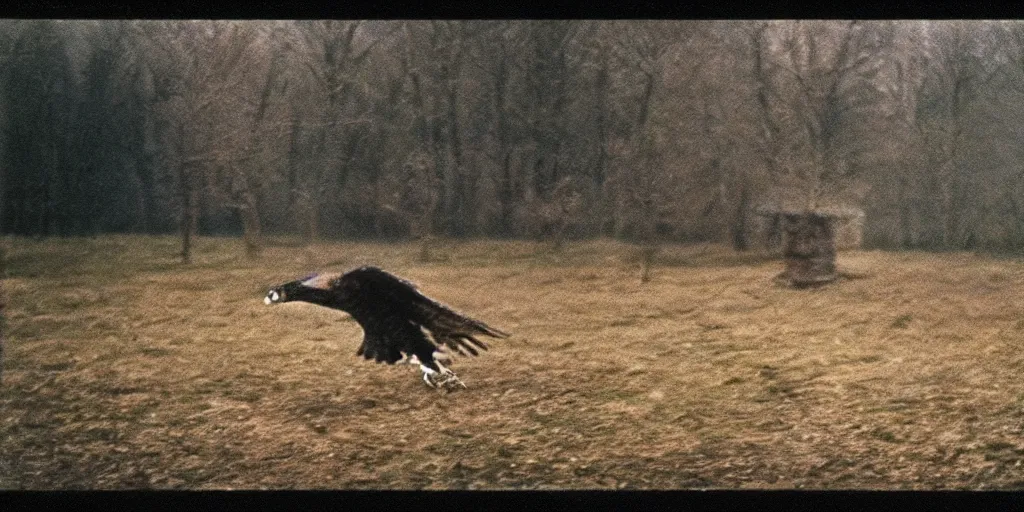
447	326
382	344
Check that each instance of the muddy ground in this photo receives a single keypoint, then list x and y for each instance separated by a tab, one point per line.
127	370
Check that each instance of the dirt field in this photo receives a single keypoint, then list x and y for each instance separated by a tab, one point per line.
125	369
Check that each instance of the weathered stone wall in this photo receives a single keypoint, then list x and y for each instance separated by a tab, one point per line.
847	226
809	249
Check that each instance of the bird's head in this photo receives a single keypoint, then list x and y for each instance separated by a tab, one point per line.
277	294
300	289
284	293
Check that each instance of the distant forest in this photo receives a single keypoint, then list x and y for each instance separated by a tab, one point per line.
637	130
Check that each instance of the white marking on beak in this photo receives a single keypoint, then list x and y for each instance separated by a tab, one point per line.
266	300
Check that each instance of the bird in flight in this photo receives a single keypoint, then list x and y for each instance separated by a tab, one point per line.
396	319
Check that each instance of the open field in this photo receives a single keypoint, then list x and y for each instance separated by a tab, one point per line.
125	369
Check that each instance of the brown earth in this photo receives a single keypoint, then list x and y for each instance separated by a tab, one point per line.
125	369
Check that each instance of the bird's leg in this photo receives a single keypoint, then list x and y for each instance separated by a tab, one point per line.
444	378
428	376
448	378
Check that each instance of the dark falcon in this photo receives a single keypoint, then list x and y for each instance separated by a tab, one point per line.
396	319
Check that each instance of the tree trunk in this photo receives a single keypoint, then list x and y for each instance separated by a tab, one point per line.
189	212
739	225
558	236
948	222
506	196
189	222
424	254
251	229
2	326
141	207
905	237
3	274
312	222
505	191
647	261
424	229
948	214
462	206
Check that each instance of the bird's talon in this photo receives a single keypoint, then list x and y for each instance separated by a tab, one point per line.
451	382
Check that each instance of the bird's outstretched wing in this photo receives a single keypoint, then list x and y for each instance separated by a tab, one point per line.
445	325
381	340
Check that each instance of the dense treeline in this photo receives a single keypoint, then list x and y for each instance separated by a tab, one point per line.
641	130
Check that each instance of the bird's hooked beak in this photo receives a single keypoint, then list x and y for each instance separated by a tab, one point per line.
274	296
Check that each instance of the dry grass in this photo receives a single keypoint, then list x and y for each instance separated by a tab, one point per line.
127	370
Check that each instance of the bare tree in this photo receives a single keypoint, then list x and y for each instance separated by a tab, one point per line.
550	218
332	53
947	105
10	31
816	94
414	197
260	123
40	112
638	165
718	128
654	129
1009	103
533	80
435	61
115	142
197	68
595	41
497	58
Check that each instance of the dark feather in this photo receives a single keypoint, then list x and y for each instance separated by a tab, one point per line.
446	326
396	318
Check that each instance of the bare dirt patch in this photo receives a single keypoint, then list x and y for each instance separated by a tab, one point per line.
125	369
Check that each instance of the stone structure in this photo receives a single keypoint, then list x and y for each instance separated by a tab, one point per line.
847	226
809	241
809	249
